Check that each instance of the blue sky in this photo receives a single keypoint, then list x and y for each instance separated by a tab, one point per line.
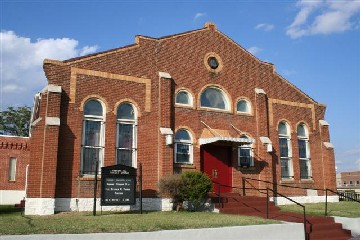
313	44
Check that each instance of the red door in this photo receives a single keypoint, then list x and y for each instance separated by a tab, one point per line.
216	164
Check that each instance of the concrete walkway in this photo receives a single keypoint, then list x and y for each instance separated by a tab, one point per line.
285	231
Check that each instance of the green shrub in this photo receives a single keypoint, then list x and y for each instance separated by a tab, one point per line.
173	187
197	187
188	186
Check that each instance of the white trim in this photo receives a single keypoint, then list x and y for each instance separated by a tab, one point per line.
260	91
265	140
303	199
86	204
166	131
203	141
51	88
9	197
323	123
52	121
164	75
328	145
39	206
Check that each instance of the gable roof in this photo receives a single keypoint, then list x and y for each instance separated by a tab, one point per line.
208	27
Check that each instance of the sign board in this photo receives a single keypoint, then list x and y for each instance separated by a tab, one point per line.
118	185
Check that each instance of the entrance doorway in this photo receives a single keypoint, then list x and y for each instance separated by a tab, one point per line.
216	162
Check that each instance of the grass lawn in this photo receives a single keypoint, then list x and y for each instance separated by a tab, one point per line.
340	209
11	221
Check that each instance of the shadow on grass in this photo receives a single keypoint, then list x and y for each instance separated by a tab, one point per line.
9	209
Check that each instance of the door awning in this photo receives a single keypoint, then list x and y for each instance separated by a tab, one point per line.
203	141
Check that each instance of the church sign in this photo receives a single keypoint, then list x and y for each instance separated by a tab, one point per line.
118	185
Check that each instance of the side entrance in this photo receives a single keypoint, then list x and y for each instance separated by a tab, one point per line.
216	163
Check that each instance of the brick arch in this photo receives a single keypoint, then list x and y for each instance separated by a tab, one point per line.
97	97
190	92
227	95
128	100
305	123
193	136
287	122
247	100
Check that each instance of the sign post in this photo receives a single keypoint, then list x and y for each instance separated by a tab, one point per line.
118	185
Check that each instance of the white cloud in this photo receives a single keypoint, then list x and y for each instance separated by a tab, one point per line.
254	50
21	64
199	15
265	26
323	17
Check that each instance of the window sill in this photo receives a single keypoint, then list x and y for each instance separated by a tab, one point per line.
89	178
184	165
310	180
244	114
246	168
12	181
287	180
184	106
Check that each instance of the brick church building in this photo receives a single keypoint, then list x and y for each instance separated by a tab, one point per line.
194	101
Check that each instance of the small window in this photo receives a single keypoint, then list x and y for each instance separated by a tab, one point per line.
183	147
245	152
214	98
12	169
243	106
213	62
183	98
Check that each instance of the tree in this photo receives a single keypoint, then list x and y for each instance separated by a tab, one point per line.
15	122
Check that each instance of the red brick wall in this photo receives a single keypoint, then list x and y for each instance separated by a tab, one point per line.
182	56
19	148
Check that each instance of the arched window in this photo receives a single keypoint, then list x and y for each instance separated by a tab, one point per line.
243	106
92	136
304	151
126	135
245	153
183	98
183	147
213	97
285	150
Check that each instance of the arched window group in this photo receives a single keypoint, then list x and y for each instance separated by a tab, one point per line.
286	154
93	135
212	97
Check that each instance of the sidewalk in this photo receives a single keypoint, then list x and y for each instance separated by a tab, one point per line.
253	232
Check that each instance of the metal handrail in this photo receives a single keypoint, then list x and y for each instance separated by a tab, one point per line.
307	234
339	194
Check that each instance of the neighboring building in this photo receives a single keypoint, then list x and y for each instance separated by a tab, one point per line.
193	101
14	162
348	181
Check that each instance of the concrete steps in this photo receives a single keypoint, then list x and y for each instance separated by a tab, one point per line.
320	227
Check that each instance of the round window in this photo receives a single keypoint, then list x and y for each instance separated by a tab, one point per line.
213	62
